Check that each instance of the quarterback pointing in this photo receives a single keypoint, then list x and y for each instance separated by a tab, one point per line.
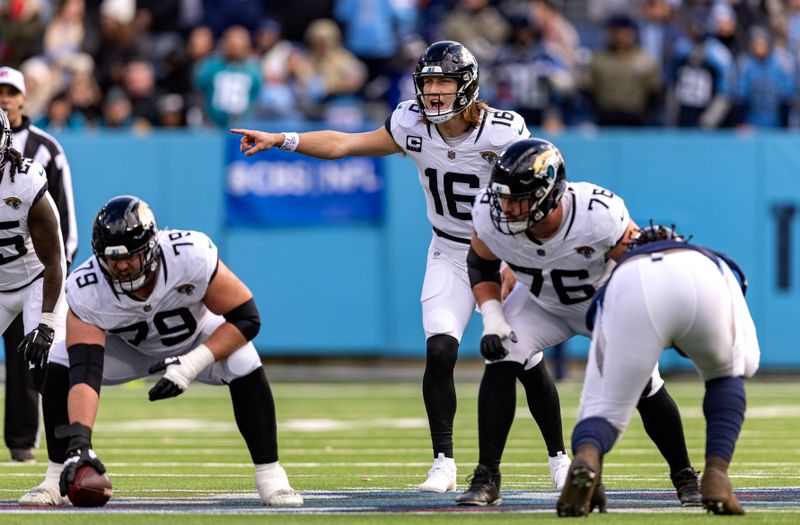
454	139
561	240
149	302
32	261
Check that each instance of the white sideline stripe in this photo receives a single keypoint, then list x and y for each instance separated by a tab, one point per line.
737	466
296	425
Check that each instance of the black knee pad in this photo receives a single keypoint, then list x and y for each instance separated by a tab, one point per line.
442	352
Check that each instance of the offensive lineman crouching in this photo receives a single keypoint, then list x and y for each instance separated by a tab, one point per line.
153	301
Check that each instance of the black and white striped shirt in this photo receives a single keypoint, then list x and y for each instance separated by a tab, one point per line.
35	144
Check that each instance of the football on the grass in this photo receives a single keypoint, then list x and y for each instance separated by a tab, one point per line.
89	489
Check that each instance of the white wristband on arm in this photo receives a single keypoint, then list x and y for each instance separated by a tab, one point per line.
492	310
49	319
290	141
191	364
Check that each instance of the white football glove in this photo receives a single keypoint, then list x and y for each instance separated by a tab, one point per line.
495	331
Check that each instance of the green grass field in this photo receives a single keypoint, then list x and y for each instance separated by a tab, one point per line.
372	436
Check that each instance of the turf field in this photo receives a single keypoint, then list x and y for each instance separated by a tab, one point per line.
357	451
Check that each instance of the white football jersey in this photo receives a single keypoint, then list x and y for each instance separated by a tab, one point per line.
451	177
19	265
562	273
170	319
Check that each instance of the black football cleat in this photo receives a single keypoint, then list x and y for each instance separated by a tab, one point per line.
484	488
687	487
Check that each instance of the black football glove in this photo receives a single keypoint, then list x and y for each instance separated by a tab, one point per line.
79	453
35	346
164	388
179	372
492	346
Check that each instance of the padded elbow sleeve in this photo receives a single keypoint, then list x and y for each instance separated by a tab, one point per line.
246	319
86	365
481	269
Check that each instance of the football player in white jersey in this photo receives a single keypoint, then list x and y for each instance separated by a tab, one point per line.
665	293
147	302
454	139
561	240
32	260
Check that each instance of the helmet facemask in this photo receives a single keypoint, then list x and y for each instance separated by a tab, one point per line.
148	260
460	101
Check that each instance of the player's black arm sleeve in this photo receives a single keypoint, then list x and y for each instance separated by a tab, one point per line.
245	318
482	270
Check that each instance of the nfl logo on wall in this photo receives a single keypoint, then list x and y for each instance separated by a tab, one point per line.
284	189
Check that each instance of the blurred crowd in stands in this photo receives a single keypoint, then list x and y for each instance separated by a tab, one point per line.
346	63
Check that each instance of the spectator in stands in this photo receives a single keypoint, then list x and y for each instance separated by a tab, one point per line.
140	86
118	111
171	111
85	96
61	115
20	30
40	84
793	28
658	31
65	32
624	82
374	30
530	78
557	31
342	74
701	77
118	42
230	79
766	83
479	26
289	86
724	25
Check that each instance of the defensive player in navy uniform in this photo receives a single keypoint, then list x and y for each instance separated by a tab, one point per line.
32	260
149	302
665	293
454	139
561	240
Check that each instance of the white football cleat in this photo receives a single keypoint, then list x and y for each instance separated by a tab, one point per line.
441	476
44	495
273	488
559	468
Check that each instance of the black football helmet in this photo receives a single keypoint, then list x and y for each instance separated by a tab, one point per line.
125	227
447	59
532	170
5	138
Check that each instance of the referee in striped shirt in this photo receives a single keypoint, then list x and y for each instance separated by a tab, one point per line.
22	399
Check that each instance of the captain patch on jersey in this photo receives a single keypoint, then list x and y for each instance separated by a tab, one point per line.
453	171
